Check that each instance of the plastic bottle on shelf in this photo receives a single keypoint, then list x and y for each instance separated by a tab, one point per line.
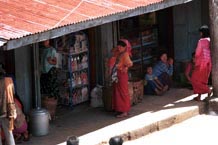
79	80
84	78
84	45
77	46
84	93
78	63
75	64
84	61
73	80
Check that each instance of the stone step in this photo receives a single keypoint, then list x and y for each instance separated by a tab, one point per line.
141	125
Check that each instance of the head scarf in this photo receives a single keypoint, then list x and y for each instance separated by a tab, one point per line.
128	46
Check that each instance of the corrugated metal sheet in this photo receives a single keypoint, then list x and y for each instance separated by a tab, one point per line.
19	18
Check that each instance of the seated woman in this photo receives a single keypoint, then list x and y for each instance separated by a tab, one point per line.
20	124
164	69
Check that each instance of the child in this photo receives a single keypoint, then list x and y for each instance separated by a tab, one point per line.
20	123
185	77
189	68
153	82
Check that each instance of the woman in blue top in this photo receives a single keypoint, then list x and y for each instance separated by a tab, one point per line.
48	80
164	69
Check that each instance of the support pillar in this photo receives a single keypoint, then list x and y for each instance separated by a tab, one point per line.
36	75
213	12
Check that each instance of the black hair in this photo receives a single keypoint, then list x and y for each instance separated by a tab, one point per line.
205	31
148	65
121	43
117	140
161	53
193	54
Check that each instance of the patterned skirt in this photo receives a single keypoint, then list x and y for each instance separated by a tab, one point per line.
49	83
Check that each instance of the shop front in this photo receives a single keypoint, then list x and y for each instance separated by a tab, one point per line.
82	61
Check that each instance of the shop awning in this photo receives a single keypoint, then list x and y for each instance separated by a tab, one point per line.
24	22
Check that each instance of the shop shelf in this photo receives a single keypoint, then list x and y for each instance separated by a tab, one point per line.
75	59
73	54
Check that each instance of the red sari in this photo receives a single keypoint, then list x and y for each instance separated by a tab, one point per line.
121	98
202	68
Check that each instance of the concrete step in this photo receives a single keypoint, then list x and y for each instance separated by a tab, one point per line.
198	130
95	126
141	125
161	112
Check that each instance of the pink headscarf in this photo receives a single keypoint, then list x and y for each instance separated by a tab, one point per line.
128	46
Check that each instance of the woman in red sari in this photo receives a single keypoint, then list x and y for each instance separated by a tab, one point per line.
121	98
203	65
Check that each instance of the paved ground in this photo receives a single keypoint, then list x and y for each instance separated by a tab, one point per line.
94	125
199	130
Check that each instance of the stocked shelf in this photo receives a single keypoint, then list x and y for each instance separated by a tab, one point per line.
142	59
74	77
71	53
144	47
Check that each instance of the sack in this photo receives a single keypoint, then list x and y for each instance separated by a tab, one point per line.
96	96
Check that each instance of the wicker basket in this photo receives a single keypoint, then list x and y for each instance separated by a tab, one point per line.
136	90
50	104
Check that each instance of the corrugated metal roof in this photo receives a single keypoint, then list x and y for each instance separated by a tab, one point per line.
19	18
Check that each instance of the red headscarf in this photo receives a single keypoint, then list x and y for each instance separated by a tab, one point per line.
128	46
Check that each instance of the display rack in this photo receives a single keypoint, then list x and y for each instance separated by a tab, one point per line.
144	43
74	72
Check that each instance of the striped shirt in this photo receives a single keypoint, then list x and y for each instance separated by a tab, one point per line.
161	67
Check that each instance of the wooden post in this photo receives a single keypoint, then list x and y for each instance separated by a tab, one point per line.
213	102
213	9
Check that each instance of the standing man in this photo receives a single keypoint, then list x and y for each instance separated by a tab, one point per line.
7	107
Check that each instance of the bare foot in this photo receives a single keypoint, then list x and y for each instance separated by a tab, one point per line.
165	88
124	114
198	98
159	93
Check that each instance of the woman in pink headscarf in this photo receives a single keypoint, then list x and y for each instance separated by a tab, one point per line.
128	47
203	65
119	73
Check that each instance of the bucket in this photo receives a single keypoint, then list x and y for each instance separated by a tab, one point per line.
39	122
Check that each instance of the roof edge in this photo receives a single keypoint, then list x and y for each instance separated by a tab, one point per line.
63	30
